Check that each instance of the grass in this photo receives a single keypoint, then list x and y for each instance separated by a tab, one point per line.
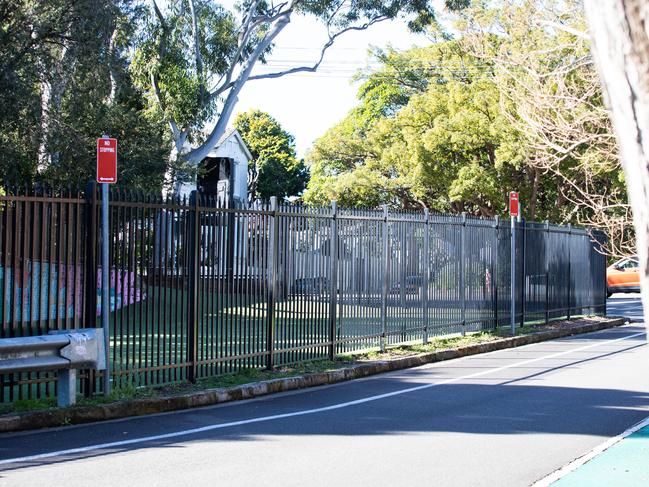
433	345
22	405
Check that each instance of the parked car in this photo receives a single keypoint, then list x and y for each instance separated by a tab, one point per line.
412	285
623	276
311	285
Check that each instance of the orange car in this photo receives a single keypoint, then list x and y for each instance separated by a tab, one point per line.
623	276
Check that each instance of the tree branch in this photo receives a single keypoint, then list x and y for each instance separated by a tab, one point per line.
565	28
198	59
316	65
162	49
198	154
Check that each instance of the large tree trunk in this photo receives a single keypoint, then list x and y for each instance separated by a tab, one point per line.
620	45
54	81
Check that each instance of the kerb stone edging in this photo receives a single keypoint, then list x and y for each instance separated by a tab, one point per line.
137	407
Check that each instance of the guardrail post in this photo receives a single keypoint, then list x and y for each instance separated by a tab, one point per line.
333	280
386	276
494	271
66	387
462	272
273	252
194	276
426	272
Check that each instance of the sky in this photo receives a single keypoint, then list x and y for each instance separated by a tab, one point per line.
307	104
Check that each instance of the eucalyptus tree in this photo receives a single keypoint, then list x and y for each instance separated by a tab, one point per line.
550	91
195	56
64	81
620	44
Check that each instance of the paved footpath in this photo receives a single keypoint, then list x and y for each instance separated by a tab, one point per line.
506	418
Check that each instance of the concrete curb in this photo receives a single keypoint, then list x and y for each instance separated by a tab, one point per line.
138	407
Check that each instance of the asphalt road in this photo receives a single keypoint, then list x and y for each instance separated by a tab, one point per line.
628	305
503	418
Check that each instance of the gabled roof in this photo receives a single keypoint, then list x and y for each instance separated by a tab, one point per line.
237	136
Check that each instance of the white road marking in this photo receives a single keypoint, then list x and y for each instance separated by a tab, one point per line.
262	419
575	464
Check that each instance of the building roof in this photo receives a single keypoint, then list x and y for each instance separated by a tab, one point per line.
234	133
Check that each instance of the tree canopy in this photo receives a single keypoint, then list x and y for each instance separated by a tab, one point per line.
275	169
194	57
426	133
64	80
512	103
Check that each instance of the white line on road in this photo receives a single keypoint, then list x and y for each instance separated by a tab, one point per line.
601	448
203	429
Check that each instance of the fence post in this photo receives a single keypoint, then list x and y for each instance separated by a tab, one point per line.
462	272
523	270
569	271
90	271
231	219
547	273
386	274
602	255
193	265
512	276
426	273
273	253
333	280
494	272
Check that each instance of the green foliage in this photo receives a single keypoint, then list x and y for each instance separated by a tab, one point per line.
193	57
167	51
426	133
72	49
275	169
550	92
456	125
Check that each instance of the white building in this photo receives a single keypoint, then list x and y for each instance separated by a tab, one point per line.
225	165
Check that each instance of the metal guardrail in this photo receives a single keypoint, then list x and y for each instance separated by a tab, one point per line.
64	351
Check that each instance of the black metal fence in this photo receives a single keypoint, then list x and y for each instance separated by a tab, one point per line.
200	289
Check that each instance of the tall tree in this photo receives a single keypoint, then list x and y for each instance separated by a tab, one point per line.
63	82
426	133
620	44
195	56
275	169
549	91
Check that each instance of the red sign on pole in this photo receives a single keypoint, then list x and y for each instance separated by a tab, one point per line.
513	203
106	160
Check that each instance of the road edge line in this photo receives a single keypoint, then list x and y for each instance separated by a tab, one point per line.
588	456
14	422
304	412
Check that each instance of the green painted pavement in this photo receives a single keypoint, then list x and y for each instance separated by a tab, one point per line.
625	464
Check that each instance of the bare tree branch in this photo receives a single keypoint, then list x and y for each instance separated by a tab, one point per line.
316	65
198	59
566	28
198	154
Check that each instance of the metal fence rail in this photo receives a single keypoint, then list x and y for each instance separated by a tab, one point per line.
201	288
